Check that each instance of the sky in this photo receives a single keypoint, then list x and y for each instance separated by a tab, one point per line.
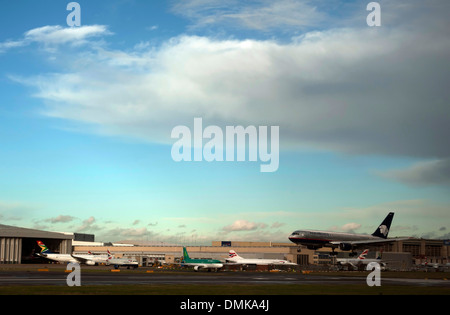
87	114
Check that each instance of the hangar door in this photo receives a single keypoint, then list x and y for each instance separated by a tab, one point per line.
10	250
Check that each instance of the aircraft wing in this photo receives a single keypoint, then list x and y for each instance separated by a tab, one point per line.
201	265
352	264
368	242
81	259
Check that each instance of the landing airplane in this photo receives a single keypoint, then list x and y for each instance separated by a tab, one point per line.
200	263
360	261
90	260
235	258
124	262
344	241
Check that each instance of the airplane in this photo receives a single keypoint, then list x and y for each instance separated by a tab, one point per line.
125	262
436	266
360	261
235	258
46	253
90	260
200	263
344	241
96	259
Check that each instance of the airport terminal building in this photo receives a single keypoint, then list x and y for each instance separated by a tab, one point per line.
403	255
19	245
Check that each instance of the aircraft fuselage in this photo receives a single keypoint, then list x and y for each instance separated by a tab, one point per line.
314	238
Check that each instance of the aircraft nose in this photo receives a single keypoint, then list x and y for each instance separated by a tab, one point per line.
294	236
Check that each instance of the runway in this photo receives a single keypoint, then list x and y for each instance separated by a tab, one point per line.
103	276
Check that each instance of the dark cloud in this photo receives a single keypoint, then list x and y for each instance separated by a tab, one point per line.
422	174
349	90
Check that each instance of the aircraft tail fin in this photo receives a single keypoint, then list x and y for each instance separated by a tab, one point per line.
363	254
44	249
379	254
233	255
383	229
185	254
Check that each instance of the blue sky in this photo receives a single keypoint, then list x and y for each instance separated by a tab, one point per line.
86	115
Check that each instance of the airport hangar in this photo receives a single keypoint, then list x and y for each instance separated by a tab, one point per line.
17	245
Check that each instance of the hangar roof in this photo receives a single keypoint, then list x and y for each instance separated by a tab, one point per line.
14	231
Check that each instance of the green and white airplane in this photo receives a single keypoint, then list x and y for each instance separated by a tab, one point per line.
200	263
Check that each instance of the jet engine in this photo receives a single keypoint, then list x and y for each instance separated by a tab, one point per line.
90	263
345	246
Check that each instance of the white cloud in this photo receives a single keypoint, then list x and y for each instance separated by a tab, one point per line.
243	225
55	35
88	225
10	44
52	36
152	28
351	226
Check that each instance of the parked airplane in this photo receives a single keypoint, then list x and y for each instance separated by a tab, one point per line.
360	261
67	258
200	263
96	259
345	241
235	258
437	266
63	258
124	262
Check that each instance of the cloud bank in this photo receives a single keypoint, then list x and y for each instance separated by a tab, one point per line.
430	173
351	90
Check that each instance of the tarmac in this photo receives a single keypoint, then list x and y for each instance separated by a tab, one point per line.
55	274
